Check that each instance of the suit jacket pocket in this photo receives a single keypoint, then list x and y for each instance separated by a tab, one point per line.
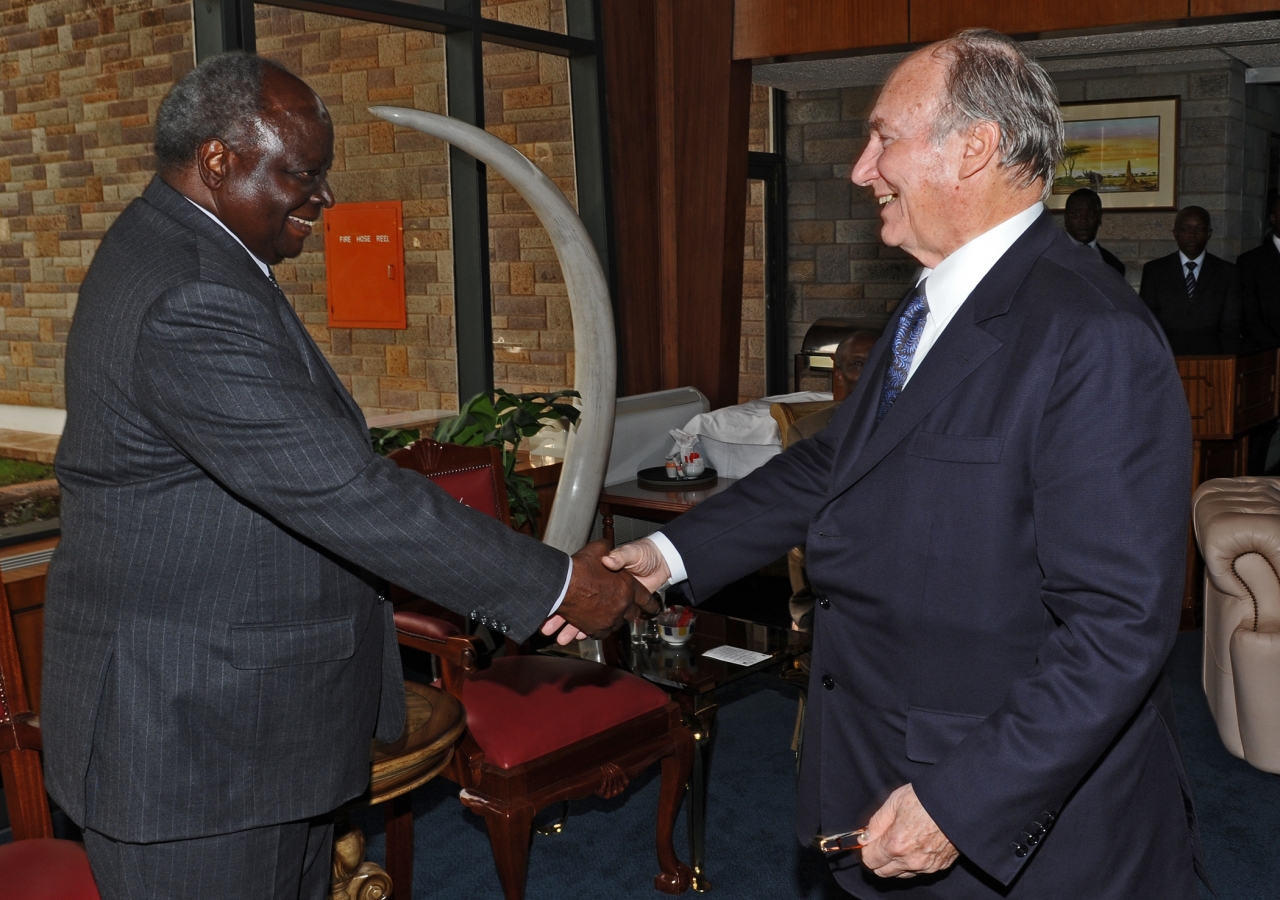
273	645
932	734
957	447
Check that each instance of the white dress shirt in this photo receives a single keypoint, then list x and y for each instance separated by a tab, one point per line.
266	270
1199	261
1275	239
948	286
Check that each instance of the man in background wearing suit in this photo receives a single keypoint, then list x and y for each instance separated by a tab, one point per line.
995	524
1259	270
1194	294
219	651
1081	218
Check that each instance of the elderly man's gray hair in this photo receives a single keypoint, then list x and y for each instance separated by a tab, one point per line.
220	98
990	79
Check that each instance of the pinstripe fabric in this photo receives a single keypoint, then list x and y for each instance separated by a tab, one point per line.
276	862
215	654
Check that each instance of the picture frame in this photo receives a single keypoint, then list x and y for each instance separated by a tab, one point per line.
1126	150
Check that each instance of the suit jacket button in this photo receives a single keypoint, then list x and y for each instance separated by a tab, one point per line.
503	629
1032	839
1019	850
824	602
828	682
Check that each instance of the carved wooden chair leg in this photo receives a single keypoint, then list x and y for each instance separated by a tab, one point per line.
353	877
675	876
399	844
510	834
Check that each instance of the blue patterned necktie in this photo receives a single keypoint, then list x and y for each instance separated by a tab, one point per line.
1191	280
906	338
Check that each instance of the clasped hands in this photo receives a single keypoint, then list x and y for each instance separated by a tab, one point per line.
608	586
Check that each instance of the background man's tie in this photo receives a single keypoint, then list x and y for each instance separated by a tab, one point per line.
906	338
1191	279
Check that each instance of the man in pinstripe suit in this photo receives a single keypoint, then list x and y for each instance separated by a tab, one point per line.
217	651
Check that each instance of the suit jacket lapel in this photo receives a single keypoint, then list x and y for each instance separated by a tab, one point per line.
961	348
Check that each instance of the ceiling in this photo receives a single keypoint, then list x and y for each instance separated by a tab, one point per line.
1256	44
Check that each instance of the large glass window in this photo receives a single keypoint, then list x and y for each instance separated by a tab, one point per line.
352	65
527	104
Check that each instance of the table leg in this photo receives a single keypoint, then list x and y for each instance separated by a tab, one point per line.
702	721
607	515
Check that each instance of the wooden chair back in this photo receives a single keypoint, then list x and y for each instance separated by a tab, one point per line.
19	742
473	475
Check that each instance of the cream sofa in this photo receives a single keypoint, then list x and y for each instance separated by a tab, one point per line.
1237	522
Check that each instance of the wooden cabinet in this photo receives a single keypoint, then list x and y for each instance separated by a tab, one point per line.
767	28
1228	396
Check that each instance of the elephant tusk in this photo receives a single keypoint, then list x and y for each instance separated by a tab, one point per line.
595	351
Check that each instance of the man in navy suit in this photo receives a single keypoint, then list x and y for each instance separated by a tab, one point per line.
996	531
1259	270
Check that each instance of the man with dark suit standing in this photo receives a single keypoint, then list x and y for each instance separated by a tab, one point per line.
996	531
1194	294
1081	218
218	648
1259	270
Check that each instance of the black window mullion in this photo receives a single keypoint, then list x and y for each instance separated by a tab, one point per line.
468	189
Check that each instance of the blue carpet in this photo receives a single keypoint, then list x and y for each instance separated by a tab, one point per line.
607	847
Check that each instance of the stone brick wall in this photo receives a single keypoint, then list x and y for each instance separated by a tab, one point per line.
79	87
526	103
838	267
751	374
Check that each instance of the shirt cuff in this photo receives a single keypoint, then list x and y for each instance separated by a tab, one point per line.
564	590
671	556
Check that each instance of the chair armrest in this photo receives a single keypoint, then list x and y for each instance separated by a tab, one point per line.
442	639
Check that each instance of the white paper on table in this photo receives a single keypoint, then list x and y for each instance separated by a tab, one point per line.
736	655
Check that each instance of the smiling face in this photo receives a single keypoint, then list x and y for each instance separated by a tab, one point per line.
914	180
270	191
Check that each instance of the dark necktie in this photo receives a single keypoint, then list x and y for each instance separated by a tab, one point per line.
1191	280
906	338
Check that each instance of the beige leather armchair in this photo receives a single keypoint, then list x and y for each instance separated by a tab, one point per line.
1237	523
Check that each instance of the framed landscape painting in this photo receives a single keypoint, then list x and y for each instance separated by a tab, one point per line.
1126	150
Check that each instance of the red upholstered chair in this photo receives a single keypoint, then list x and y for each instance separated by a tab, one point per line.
542	729
35	866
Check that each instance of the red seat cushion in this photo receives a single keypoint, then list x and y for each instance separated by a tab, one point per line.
46	869
523	707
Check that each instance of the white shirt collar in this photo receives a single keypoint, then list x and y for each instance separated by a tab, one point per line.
1275	239
1199	261
266	270
951	283
1093	244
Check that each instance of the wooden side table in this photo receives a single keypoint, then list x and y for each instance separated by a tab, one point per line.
629	499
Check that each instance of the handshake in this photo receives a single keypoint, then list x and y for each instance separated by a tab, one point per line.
608	587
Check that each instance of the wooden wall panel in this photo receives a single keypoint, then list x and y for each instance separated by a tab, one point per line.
764	28
1232	7
678	108
627	31
933	20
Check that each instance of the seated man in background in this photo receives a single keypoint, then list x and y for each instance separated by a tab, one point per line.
1259	271
1081	219
851	355
1194	294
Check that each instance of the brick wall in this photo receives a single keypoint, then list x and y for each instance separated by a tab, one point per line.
80	88
751	374
526	103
